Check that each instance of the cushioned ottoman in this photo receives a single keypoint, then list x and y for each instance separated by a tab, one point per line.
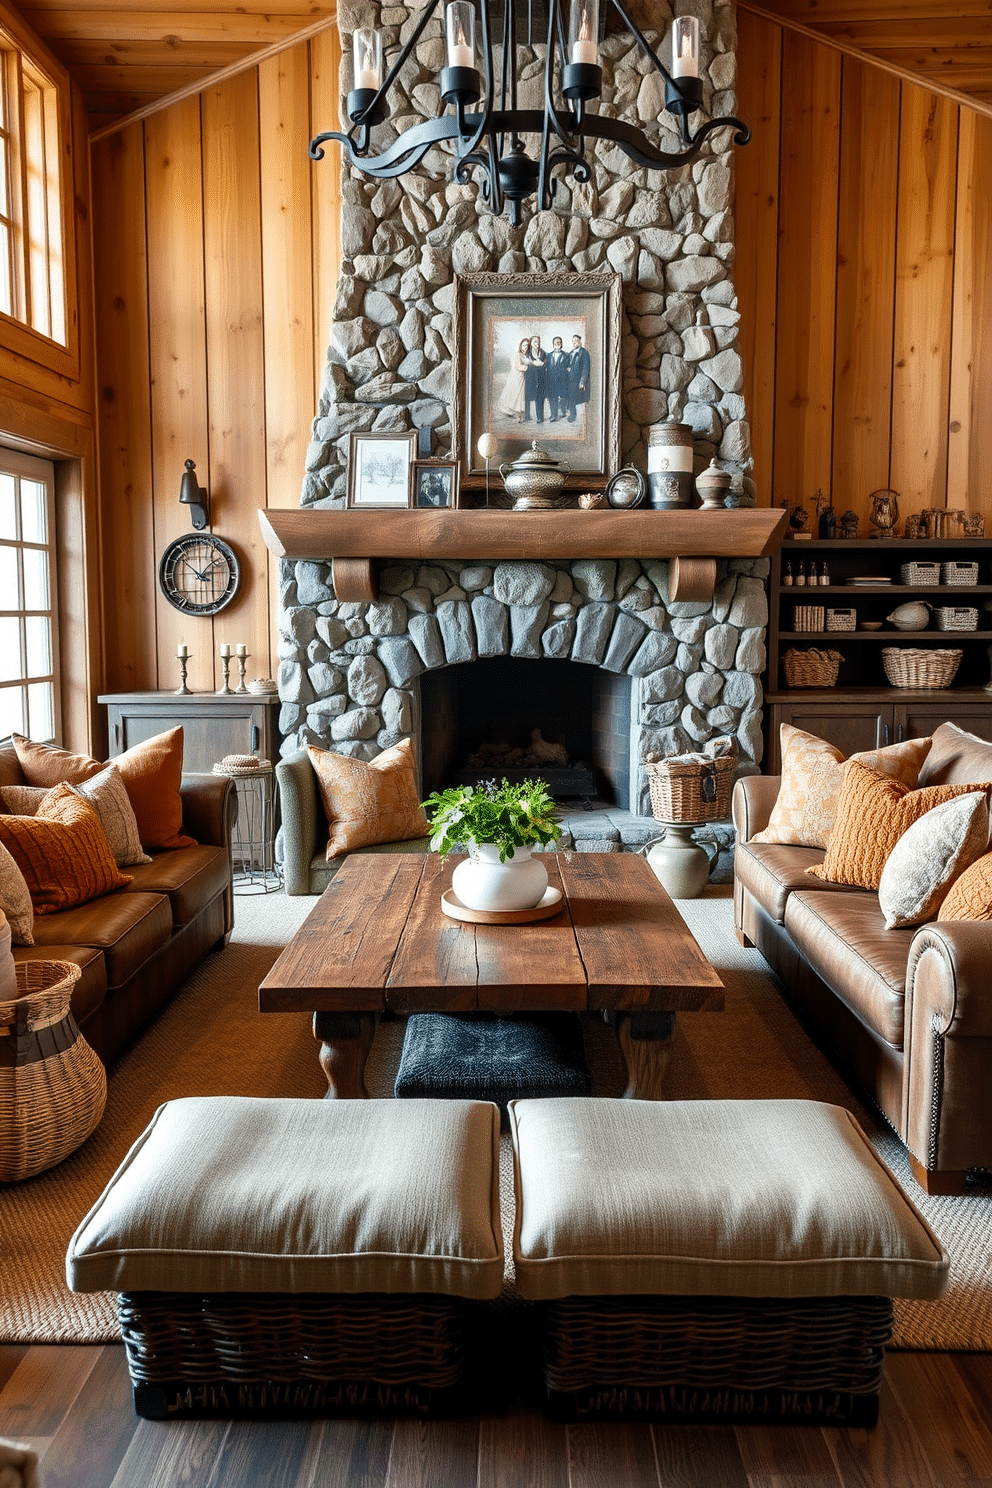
712	1260
488	1058
290	1256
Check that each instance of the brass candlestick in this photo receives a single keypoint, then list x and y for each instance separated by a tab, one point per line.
242	668
182	689
225	691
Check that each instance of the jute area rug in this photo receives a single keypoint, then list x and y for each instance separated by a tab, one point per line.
212	1041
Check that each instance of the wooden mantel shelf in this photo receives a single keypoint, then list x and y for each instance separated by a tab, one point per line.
354	540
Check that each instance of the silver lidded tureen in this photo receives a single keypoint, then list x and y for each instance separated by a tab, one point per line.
534	479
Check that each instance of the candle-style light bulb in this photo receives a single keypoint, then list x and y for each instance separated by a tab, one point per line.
584	29
460	27
685	47
367	51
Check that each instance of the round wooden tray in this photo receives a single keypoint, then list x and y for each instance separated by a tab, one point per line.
456	910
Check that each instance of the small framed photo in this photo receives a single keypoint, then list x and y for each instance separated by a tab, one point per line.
435	483
379	470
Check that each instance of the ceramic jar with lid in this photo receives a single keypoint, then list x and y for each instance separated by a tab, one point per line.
534	479
713	484
670	465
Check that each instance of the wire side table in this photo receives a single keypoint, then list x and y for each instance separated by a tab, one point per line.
254	841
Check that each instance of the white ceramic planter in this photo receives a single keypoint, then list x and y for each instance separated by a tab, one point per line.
483	882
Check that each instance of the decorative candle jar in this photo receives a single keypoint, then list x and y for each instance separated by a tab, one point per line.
670	466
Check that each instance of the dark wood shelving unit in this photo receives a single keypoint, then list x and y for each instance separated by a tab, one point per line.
864	710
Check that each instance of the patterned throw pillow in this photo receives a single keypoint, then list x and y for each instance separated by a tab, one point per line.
929	856
62	852
812	775
107	794
369	803
872	814
970	897
15	900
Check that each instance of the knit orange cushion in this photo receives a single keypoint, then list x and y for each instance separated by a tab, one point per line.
152	772
970	896
45	765
367	804
873	811
62	852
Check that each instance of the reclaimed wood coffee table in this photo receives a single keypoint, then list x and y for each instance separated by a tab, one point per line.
378	941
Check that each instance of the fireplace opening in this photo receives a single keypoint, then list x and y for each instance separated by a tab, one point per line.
486	719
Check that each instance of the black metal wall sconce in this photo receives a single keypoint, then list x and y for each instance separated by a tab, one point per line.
194	496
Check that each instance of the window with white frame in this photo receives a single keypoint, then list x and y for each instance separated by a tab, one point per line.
32	266
29	694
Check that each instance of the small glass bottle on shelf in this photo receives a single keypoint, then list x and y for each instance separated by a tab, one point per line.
824	575
800	575
787	575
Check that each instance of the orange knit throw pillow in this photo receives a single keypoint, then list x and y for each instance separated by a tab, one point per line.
970	896
62	852
873	811
152	772
367	804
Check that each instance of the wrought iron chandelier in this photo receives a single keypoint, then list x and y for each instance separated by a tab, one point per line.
484	121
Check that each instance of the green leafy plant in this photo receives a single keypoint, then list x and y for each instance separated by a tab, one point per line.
504	815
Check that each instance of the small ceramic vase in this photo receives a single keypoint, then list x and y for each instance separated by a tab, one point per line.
483	882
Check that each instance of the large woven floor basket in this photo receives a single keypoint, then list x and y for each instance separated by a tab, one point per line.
691	791
53	1087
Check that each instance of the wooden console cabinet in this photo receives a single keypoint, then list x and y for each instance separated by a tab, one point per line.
213	726
864	710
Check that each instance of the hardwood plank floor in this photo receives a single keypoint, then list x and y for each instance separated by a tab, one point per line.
73	1405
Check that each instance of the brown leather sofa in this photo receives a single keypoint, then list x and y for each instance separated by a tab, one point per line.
906	1014
136	945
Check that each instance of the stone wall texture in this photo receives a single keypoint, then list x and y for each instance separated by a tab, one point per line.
348	673
669	235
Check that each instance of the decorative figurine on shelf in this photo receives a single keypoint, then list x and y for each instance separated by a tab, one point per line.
849	524
798	520
974	524
826	517
884	512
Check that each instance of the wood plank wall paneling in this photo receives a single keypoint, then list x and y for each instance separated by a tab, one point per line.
123	408
215	271
923	301
866	320
177	359
969	464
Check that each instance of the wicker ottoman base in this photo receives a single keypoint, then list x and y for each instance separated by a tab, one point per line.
305	1354
715	1359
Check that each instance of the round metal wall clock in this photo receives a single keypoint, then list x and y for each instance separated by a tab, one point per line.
199	574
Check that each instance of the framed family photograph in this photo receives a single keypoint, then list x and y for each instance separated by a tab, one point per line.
537	357
435	484
380	467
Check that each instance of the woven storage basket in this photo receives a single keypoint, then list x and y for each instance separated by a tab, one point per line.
711	1359
908	666
919	573
689	791
841	619
959	573
948	618
264	1354
807	617
811	668
53	1087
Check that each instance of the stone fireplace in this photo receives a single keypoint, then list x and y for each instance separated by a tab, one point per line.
653	675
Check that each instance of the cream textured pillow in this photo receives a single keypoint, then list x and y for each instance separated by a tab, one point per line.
15	900
369	803
106	793
812	775
929	856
